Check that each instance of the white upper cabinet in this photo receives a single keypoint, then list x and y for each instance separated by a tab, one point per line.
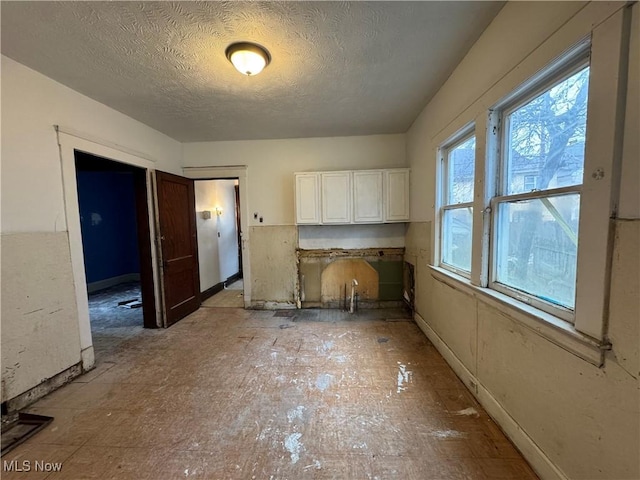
360	196
367	196
307	198
396	188
336	197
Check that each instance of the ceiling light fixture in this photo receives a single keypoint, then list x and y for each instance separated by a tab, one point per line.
248	58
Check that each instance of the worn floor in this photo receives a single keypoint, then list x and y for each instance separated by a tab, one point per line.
112	324
231	297
235	394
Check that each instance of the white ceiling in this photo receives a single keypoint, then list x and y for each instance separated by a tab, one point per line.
338	68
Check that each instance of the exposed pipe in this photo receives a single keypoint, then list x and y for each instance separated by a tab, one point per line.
354	284
344	302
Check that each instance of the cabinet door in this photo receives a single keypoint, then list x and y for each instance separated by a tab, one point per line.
396	184
307	198
367	196
336	197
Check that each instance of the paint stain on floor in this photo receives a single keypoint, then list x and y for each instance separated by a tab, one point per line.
227	393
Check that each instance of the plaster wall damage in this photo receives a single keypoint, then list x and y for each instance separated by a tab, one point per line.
39	316
324	275
273	266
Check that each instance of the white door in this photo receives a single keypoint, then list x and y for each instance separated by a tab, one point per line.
307	198
336	197
367	196
396	184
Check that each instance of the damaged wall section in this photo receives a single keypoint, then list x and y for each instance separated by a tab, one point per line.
325	277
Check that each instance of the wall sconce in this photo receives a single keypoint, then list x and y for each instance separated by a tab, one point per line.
206	214
219	211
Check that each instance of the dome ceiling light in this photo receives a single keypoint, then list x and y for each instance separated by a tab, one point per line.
248	58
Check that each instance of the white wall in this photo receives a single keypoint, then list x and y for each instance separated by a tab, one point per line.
207	231
571	418
389	235
271	164
629	203
31	105
217	236
33	212
228	229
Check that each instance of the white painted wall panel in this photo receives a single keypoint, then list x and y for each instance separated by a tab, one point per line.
624	304
584	418
40	331
274	272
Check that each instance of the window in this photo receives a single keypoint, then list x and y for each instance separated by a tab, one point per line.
537	207
547	167
532	171
458	167
530	182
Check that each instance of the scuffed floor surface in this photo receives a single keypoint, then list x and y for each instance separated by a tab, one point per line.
111	324
231	297
235	394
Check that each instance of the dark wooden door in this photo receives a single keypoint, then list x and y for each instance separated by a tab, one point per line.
179	250
239	230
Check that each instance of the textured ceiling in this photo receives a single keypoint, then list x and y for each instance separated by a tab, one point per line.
338	68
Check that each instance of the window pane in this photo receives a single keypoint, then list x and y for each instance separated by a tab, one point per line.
545	138
456	237
461	168
537	246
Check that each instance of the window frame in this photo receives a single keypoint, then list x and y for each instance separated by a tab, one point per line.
586	337
552	78
535	182
460	137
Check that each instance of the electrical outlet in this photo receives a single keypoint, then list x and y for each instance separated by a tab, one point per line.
255	216
261	219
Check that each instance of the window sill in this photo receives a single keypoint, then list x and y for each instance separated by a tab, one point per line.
551	328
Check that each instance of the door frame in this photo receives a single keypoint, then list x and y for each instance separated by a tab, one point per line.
69	141
241	172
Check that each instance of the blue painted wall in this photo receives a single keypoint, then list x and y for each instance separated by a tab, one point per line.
108	222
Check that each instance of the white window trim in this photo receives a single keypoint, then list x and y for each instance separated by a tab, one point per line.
461	136
598	203
530	299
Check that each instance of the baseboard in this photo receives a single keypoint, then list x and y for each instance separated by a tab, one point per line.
110	282
233	278
47	386
88	359
262	305
538	460
211	291
362	304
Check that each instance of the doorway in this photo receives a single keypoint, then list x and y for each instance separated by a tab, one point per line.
113	212
219	242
